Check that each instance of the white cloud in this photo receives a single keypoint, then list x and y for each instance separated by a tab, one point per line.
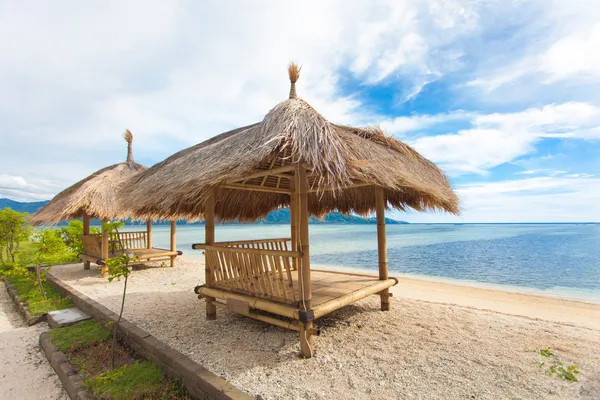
538	199
567	36
17	188
404	124
498	138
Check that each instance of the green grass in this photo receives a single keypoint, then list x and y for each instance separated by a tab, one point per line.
140	380
80	335
29	293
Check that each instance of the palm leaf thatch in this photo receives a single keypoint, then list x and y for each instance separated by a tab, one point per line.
95	195
345	163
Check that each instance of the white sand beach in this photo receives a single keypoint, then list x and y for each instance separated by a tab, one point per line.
438	341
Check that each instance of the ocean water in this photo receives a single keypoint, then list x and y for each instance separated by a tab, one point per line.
561	260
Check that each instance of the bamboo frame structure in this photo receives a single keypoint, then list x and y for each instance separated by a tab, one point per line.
256	277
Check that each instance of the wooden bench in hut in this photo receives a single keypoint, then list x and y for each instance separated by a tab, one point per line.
96	197
294	158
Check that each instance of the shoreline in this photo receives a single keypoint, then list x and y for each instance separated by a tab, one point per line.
567	295
549	308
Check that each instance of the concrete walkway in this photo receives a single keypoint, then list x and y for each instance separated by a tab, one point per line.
24	370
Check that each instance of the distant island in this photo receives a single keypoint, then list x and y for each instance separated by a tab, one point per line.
280	216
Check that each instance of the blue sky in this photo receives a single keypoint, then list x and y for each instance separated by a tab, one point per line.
502	95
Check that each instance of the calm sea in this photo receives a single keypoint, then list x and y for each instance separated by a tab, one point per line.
561	260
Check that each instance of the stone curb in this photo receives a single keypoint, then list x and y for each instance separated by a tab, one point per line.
199	382
21	306
69	378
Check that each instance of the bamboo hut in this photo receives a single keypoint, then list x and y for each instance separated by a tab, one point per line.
293	158
96	197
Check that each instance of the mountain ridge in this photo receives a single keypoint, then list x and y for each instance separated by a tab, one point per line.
280	216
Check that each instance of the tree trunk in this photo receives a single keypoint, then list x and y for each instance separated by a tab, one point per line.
114	343
38	277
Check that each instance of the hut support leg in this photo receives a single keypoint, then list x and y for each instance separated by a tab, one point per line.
305	283
381	246
104	248
173	241
294	221
307	345
149	233
209	238
86	231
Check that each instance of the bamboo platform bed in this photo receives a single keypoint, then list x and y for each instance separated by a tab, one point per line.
260	279
332	290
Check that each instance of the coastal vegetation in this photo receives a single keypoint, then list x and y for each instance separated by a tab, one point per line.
22	246
555	367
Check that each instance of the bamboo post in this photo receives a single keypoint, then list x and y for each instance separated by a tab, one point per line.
294	221
209	238
104	247
173	240
149	234
86	231
305	284
381	246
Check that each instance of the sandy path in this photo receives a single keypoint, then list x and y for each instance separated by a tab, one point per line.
420	349
24	370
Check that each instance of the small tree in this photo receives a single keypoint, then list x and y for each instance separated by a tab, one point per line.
48	246
13	230
119	267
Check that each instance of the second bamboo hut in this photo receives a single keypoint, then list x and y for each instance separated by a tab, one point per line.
96	197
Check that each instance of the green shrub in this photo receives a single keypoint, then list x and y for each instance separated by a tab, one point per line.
556	366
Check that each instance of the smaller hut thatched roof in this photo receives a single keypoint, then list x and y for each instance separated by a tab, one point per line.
339	159
95	195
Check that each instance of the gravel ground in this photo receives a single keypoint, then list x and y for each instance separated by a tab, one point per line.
24	370
420	349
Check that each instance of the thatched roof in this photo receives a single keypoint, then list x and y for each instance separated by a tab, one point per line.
292	132
95	195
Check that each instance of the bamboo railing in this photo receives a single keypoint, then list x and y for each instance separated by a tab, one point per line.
92	243
131	240
260	268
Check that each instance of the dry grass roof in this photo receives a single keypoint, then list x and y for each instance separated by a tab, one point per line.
292	132
95	195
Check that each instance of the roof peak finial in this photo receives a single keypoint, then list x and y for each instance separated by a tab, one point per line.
294	73
129	139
